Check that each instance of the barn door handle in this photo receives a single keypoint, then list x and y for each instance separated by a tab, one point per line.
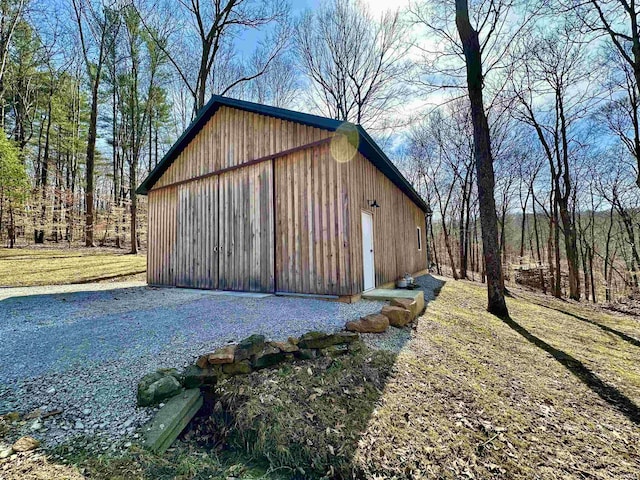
215	249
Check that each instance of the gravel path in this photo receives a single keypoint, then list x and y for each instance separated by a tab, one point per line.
82	348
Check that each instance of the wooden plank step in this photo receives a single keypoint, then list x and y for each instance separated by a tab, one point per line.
162	430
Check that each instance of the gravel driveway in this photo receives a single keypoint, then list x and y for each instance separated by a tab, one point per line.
82	348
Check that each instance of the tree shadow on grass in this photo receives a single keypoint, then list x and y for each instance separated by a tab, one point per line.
627	338
608	393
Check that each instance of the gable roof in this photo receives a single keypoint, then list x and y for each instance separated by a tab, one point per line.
367	147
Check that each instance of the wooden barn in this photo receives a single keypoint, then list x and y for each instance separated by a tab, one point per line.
263	199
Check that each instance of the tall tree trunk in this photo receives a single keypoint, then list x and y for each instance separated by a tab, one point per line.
584	252
134	206
12	227
447	243
462	244
476	247
503	241
631	235
90	162
522	229
593	283
571	250
1	213
607	258
484	162
535	230
155	159
433	246
44	171
557	292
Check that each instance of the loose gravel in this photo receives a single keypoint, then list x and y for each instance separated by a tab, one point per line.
81	349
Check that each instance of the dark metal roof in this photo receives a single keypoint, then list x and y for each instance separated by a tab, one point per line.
366	146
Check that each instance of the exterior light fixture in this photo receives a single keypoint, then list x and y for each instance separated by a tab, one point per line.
373	203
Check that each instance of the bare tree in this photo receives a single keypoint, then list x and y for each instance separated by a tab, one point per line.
278	86
10	14
554	72
200	41
97	26
440	149
484	159
353	61
469	53
617	20
621	114
613	184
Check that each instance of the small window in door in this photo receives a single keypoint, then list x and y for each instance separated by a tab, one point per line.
419	238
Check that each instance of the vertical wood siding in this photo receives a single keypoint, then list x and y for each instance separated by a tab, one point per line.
162	237
246	229
292	224
312	224
197	234
232	137
183	234
395	239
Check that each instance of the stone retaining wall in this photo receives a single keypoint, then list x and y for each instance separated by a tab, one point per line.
255	353
251	354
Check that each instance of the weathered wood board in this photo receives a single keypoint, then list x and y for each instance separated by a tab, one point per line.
291	223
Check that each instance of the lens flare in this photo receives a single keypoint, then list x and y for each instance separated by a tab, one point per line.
344	143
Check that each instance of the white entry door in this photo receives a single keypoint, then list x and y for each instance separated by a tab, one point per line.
367	251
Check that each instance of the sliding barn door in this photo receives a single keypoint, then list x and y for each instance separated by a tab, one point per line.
246	236
196	262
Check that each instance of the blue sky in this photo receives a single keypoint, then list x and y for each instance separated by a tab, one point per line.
247	41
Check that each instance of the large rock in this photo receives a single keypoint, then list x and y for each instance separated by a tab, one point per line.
398	316
324	340
286	347
152	391
25	444
248	347
406	303
237	368
267	357
315	340
203	361
345	337
222	355
150	378
335	350
374	323
146	381
194	376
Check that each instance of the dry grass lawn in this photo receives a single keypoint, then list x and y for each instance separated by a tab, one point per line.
552	394
24	267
